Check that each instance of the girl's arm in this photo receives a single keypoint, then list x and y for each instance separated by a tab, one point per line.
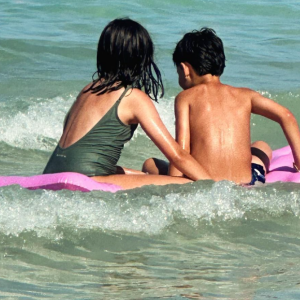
144	112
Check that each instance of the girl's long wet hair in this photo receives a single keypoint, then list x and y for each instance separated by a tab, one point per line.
125	58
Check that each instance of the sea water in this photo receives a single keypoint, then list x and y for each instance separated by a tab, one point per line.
202	240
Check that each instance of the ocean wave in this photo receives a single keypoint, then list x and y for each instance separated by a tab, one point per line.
149	210
34	123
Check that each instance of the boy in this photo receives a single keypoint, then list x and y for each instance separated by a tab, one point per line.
213	119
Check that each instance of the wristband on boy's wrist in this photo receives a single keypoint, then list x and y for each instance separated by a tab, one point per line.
295	167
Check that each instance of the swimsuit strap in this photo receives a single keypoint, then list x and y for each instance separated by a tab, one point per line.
123	94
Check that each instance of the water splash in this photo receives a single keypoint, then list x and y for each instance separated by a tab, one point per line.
35	124
150	210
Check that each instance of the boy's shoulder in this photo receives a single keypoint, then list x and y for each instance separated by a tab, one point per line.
184	98
201	93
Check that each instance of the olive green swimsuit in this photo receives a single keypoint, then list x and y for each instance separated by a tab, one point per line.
98	152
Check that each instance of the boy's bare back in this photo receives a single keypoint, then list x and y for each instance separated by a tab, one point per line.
219	128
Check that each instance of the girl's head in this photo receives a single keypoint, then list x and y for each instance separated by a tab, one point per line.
125	58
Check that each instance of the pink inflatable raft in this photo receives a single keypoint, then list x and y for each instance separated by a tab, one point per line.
58	181
281	169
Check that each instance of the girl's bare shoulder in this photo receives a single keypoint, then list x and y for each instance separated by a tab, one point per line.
137	97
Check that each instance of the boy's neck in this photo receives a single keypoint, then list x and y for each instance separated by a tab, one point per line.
204	79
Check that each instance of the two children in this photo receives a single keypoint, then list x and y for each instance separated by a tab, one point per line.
213	119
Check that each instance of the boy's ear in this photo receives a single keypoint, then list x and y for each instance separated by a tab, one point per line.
185	66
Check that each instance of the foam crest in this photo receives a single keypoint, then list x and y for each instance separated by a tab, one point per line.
38	126
141	210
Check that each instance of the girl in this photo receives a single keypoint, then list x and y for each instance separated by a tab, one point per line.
108	110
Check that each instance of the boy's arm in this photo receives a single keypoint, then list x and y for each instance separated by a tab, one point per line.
182	126
280	114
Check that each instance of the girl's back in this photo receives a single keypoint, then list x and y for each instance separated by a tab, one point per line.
93	136
86	112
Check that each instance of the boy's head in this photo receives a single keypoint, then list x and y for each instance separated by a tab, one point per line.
203	50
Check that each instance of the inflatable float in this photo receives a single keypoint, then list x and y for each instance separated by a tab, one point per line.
281	169
58	181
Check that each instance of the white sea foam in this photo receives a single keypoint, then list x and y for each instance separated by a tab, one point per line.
38	126
139	211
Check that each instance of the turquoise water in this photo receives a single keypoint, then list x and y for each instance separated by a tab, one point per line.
197	241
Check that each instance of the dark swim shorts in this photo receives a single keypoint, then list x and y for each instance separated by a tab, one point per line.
258	174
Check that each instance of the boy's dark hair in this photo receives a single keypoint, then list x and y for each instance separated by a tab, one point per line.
125	58
203	50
